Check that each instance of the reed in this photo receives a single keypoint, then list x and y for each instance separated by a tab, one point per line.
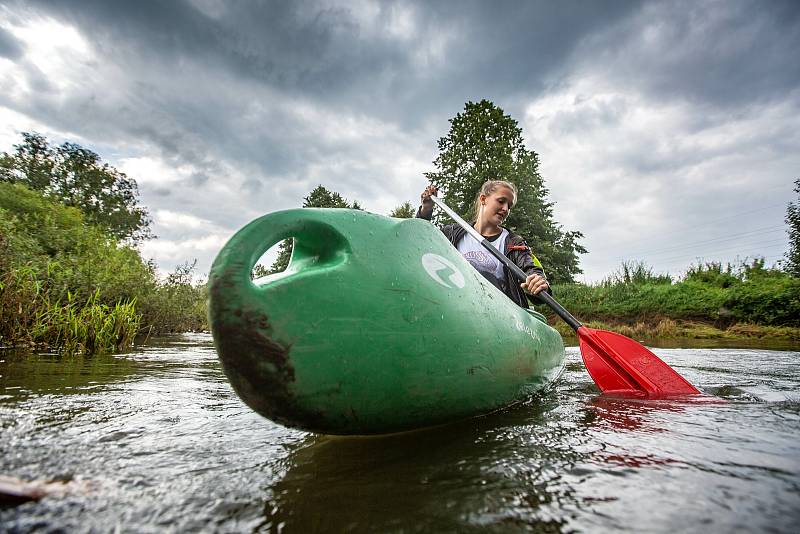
88	328
33	318
68	285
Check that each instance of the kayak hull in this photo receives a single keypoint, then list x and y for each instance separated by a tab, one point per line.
377	325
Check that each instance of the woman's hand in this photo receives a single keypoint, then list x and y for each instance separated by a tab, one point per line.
427	203
534	284
425	197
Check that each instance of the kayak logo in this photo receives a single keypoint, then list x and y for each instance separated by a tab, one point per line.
443	271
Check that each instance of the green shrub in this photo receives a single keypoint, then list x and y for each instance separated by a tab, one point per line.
69	285
769	300
176	304
636	273
68	254
748	293
712	273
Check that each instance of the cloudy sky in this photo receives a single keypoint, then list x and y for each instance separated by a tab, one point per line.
668	132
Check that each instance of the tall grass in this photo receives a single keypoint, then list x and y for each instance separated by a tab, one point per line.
746	292
33	318
69	285
86	328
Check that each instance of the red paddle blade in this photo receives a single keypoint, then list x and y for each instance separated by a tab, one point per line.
621	366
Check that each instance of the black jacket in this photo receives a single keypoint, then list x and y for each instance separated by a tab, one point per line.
516	250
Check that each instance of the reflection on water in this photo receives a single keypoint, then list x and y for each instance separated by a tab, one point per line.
164	444
458	478
24	374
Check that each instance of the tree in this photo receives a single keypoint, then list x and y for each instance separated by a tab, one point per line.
319	197
259	270
792	263
483	144
32	164
404	211
77	177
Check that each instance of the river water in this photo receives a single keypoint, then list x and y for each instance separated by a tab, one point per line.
156	441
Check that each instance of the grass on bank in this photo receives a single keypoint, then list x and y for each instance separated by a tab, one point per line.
670	329
712	301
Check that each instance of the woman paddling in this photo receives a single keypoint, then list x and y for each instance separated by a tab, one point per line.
492	205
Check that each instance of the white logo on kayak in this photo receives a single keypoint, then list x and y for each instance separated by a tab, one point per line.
443	271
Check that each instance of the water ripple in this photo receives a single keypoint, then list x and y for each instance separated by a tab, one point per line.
159	442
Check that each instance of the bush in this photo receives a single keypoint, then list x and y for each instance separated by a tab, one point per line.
177	304
70	285
712	273
66	253
636	273
771	300
748	293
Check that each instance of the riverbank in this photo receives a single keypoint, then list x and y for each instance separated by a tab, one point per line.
727	304
68	285
72	286
669	332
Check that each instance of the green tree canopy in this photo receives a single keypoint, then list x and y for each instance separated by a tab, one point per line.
77	177
52	240
319	197
52	259
486	144
404	211
793	220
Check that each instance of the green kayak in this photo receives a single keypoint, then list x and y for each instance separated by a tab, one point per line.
378	325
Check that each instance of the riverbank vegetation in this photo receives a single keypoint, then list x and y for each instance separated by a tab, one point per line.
711	301
66	284
71	276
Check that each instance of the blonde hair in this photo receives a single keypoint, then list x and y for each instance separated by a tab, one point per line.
489	187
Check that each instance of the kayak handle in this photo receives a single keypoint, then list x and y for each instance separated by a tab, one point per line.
316	244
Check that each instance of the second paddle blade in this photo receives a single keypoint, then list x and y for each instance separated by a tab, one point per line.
622	366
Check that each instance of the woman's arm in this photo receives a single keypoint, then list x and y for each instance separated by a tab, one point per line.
425	210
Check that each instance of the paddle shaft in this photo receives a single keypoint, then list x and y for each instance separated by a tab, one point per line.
513	267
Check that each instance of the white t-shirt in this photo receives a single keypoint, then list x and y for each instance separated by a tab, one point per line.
482	260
